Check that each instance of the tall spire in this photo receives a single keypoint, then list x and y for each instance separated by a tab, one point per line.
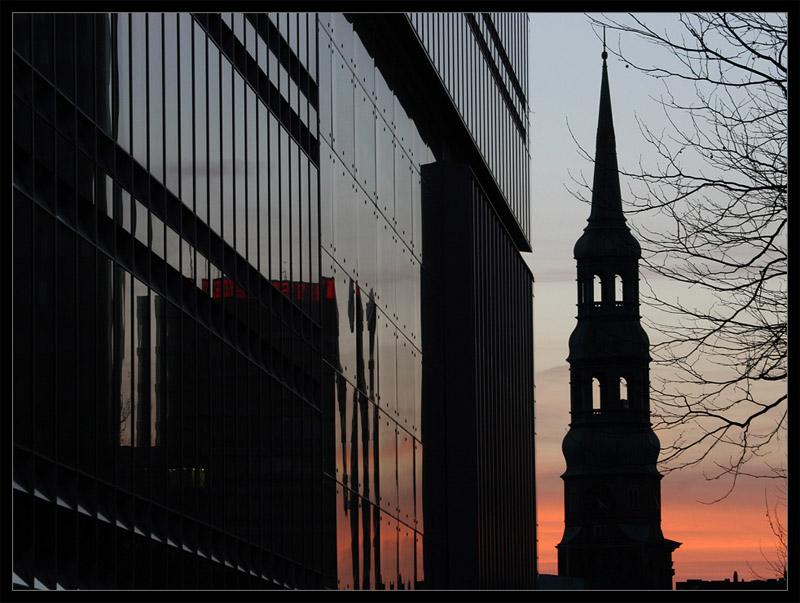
606	198
606	212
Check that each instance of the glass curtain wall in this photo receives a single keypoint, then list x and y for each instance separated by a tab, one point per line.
168	395
371	239
481	59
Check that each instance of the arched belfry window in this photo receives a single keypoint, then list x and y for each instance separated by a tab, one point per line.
619	295
595	394
623	393
598	289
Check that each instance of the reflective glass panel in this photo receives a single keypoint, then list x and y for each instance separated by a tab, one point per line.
405	558
405	476
172	122
387	248
387	365
227	125
252	130
366	222
388	544
124	347
325	99
327	170
365	141
240	146
343	118
214	143
344	218
264	175
121	36
186	109
384	168
156	94
139	85
285	217
274	198
202	141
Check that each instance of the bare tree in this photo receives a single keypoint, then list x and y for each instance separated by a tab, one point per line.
776	560
710	211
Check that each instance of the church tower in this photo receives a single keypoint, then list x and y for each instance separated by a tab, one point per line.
612	495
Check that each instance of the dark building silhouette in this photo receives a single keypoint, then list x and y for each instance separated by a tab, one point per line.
733	584
271	324
612	498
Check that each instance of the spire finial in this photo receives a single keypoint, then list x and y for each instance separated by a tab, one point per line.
605	54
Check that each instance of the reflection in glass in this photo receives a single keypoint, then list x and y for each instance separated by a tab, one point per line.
304	221
325	98
387	463
405	380
239	165
173	244
295	183
264	175
142	380
402	193
187	260
405	277
214	147
121	76
200	117
285	233
345	288
186	110
274	198
315	223
343	118
140	223
347	571
405	477
384	169
388	544
387	246
227	103
155	111
416	214
124	342
365	141
419	516
328	168
172	167
252	130
104	194
405	558
157	234
366	223
139	86
124	209
344	219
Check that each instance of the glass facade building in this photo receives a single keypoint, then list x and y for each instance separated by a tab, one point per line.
271	324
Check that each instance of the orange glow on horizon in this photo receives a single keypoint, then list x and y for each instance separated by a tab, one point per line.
716	539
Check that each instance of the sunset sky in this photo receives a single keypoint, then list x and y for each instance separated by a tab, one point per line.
719	538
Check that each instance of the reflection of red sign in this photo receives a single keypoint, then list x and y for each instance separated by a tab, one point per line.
225	287
300	291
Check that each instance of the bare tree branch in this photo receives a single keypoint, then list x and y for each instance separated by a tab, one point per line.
709	208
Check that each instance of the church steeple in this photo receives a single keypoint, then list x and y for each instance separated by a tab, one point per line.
606	210
606	198
612	536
